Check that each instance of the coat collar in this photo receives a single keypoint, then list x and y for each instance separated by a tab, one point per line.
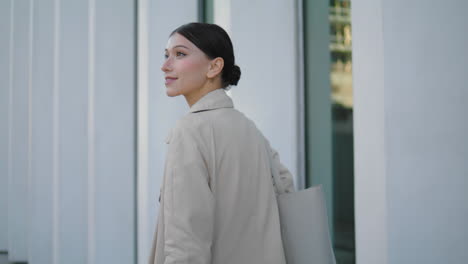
212	100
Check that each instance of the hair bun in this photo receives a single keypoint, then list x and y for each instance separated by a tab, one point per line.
235	75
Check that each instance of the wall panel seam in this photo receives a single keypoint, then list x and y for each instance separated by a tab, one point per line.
56	136
91	131
29	169
142	136
10	114
135	132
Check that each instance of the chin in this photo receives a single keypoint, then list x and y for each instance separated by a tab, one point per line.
172	92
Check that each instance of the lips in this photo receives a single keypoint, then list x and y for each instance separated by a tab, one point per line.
170	80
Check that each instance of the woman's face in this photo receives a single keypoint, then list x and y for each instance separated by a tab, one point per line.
185	67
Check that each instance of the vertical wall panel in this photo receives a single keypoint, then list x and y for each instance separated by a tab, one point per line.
5	30
143	242
162	112
425	130
265	50
73	141
411	147
114	131
18	184
72	110
369	133
41	221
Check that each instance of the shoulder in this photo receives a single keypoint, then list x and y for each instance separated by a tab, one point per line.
190	127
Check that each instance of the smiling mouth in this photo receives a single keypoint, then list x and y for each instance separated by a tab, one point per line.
170	80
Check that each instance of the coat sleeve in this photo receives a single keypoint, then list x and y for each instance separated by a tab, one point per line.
188	205
285	177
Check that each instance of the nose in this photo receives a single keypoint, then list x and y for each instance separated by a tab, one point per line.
166	66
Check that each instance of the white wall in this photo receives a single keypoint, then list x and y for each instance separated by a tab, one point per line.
157	113
410	120
71	191
5	23
20	129
369	134
41	221
264	35
426	106
114	137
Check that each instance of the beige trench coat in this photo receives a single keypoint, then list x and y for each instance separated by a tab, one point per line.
217	203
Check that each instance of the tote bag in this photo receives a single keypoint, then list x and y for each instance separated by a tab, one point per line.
304	225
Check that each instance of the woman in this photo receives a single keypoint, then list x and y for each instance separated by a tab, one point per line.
218	203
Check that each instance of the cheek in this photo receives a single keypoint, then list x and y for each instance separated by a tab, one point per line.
190	66
192	73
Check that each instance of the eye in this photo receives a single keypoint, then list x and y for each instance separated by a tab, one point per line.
166	56
180	54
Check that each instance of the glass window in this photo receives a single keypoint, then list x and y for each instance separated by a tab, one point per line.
342	129
329	115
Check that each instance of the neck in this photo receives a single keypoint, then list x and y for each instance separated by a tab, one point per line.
196	95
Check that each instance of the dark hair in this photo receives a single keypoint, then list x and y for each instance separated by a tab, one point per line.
214	42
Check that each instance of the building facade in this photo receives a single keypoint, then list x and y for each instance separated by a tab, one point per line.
367	98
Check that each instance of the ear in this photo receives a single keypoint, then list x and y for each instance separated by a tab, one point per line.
216	67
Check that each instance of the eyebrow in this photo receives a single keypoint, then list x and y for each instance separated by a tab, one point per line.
178	46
